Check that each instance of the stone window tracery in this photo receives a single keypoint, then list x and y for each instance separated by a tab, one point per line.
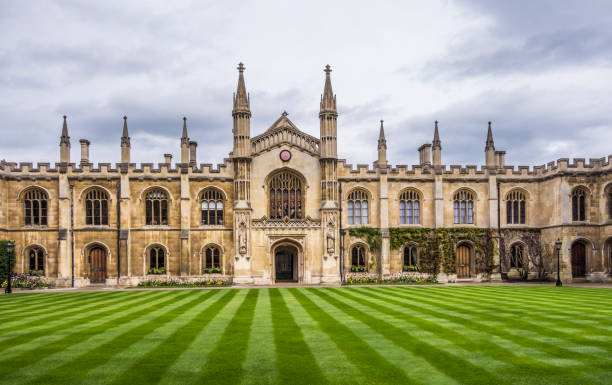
358	259
212	207
96	207
35	207
212	262
357	207
156	207
286	196
515	207
157	258
410	255
410	207
516	256
463	207
579	204
36	259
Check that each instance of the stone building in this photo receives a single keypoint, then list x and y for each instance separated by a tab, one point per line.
283	207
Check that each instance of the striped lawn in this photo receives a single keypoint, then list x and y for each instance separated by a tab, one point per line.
365	335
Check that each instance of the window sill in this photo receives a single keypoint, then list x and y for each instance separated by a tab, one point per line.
358	225
34	227
212	227
156	226
411	225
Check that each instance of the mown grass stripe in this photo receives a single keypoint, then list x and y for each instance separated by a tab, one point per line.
481	343
444	361
478	321
551	295
81	335
50	313
224	364
73	370
49	327
45	303
188	366
324	349
372	366
260	359
538	327
294	360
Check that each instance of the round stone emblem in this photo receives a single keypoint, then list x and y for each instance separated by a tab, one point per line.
285	155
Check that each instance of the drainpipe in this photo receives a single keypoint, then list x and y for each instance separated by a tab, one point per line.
72	234
499	229
341	233
118	194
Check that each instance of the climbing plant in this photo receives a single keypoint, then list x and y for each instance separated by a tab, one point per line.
371	235
436	246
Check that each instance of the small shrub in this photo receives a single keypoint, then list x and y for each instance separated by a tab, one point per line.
156	271
212	270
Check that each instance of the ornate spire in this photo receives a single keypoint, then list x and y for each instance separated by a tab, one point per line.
436	140
382	142
242	101
328	99
185	137
125	138
65	139
489	145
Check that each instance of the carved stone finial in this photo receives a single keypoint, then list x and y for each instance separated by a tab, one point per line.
285	113
327	69
241	67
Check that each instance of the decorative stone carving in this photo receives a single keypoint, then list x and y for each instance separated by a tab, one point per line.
242	234
270	224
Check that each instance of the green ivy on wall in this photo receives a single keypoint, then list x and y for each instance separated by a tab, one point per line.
436	246
371	235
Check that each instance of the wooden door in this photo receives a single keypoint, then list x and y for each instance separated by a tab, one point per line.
97	265
463	262
284	266
578	260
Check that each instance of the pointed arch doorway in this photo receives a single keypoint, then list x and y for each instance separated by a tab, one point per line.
97	265
286	263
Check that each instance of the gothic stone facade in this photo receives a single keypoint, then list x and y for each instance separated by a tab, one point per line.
278	209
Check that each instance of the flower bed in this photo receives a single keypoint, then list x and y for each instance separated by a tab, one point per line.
396	279
27	281
156	271
177	283
212	270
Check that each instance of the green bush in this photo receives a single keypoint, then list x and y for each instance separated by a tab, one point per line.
4	261
391	281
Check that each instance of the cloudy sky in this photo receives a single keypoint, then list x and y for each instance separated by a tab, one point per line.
540	70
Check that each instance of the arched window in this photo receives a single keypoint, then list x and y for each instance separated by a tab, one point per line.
212	207
515	207
286	198
157	260
516	256
156	202
36	260
579	204
358	260
35	207
358	208
96	207
410	207
609	196
410	257
464	207
212	263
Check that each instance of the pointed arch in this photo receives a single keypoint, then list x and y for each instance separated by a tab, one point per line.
358	206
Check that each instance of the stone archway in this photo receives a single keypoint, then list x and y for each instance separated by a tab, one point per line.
286	263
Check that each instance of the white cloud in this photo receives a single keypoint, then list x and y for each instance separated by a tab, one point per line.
528	69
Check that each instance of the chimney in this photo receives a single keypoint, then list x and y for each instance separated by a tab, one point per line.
500	159
192	152
168	159
84	151
425	154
